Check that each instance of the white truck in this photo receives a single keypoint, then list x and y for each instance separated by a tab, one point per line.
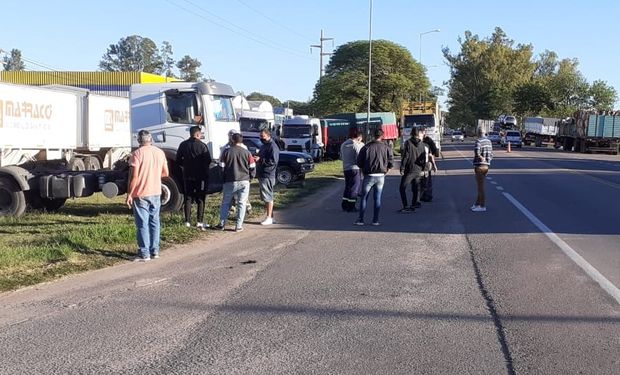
539	131
253	116
52	119
303	134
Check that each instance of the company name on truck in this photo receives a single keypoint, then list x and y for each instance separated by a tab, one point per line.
114	117
24	110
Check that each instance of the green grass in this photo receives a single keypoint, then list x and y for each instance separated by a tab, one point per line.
97	232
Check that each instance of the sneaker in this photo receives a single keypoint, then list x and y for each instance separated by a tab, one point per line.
359	222
156	256
202	226
473	207
267	221
220	226
479	209
188	224
141	259
417	205
376	223
239	229
406	210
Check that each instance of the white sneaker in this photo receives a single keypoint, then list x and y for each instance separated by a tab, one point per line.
473	207
188	224
267	221
479	209
202	226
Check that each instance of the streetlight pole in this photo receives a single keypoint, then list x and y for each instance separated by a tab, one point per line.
367	130
421	34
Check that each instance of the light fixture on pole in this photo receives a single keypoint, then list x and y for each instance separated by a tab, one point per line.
421	34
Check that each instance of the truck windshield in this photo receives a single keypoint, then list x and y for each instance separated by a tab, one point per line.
252	125
296	131
222	108
181	107
419	120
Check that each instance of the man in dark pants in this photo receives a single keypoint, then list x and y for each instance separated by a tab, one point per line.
266	167
349	150
431	167
412	166
194	159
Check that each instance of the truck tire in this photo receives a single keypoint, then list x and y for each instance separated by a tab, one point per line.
171	197
284	176
12	198
92	163
76	165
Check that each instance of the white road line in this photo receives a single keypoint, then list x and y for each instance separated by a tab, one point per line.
572	254
494	183
489	178
499	188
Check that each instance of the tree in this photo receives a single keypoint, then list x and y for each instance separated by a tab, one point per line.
188	69
300	108
484	76
396	77
568	89
13	61
167	60
264	97
131	54
531	99
602	96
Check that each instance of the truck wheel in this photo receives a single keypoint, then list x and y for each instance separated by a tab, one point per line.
171	197
284	176
92	163
52	204
12	199
76	165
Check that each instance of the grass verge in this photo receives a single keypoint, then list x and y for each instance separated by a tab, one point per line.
97	232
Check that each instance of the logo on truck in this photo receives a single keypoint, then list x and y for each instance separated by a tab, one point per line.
25	110
112	117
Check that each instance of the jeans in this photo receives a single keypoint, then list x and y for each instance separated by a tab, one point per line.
481	172
415	179
146	215
240	190
372	183
352	185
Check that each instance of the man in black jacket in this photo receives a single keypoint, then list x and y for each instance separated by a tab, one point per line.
194	159
375	160
427	181
412	166
266	166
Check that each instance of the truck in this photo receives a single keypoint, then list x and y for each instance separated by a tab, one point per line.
337	128
51	120
589	131
253	116
487	126
421	114
540	131
303	134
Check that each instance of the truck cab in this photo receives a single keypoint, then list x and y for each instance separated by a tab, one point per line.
168	110
303	134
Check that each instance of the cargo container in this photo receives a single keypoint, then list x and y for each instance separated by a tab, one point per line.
590	132
385	121
54	120
540	131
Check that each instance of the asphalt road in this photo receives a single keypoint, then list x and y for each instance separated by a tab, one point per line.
439	291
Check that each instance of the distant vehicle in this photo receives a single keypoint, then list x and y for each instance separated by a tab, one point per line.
494	137
510	121
457	135
421	114
513	137
292	166
303	134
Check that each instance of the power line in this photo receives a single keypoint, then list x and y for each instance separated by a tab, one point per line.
274	21
246	33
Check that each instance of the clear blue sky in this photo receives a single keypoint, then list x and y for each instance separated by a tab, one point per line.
264	45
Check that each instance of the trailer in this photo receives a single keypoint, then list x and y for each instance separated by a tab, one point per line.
337	130
590	132
487	126
540	131
53	121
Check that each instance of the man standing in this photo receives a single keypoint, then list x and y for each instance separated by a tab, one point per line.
194	158
147	166
267	164
375	160
431	167
413	163
238	165
483	153
349	151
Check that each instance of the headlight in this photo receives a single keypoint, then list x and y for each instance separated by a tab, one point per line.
301	160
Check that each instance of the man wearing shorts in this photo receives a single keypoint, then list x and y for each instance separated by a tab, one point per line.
267	164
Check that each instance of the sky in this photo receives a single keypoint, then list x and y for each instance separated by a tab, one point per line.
264	45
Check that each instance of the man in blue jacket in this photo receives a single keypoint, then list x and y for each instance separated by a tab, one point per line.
375	160
267	164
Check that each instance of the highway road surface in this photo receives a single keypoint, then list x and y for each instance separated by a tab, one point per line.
528	287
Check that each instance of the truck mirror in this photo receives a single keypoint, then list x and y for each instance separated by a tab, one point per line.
172	92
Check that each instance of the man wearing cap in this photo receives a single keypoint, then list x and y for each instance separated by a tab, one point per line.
147	166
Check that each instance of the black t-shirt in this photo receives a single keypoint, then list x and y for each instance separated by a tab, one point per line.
194	157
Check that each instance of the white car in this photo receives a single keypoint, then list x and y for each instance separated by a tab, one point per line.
510	121
458	136
514	138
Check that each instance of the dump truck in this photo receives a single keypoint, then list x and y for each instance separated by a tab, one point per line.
540	131
40	131
421	114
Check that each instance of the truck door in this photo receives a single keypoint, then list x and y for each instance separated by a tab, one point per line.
183	110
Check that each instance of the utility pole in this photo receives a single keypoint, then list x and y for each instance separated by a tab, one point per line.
321	53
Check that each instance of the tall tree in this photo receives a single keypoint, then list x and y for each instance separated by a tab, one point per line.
133	53
13	61
396	77
531	99
168	63
602	96
264	97
188	69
